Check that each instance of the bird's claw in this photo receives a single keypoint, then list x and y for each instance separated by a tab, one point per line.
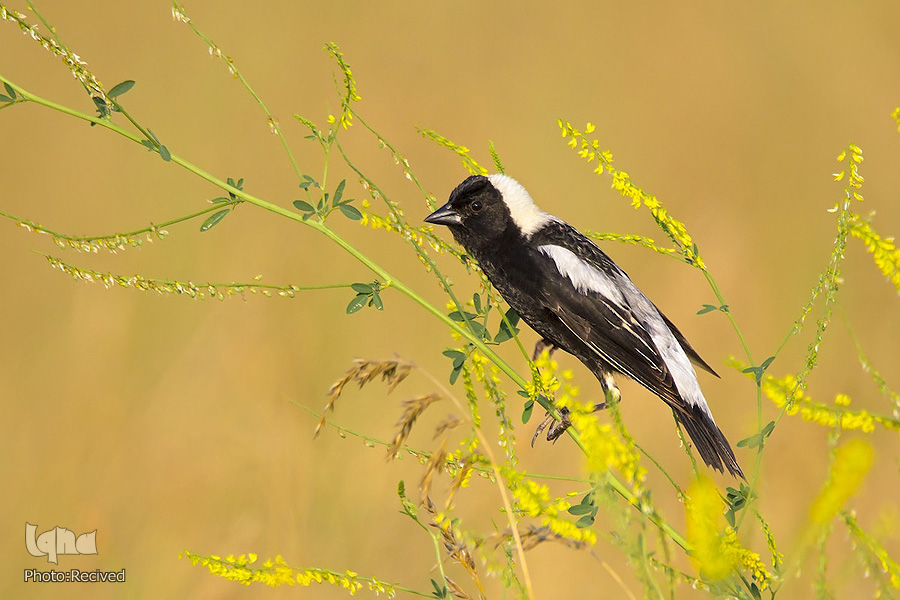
558	428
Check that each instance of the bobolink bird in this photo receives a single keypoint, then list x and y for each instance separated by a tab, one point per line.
577	299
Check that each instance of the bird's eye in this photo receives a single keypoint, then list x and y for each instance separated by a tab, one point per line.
477	205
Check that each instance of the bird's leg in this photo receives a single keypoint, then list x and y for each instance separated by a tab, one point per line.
610	391
557	429
540	346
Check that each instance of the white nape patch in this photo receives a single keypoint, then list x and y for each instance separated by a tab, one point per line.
619	289
522	208
584	276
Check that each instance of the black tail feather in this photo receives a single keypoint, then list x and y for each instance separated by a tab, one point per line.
709	440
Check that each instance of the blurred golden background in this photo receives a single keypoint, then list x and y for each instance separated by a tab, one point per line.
167	423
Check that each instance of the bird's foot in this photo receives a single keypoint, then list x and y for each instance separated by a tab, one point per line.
559	427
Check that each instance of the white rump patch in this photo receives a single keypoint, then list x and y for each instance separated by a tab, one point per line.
678	364
670	350
522	208
620	290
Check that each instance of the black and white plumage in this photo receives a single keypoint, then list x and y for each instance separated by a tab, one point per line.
576	298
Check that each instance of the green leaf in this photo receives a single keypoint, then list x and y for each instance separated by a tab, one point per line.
213	220
706	309
357	303
754	589
339	192
478	329
219	200
120	89
459	359
439	591
581	509
103	111
755	440
476	301
376	301
454	355
362	288
526	412
454	374
749	442
304	206
9	90
736	498
5	99
351	212
758	371
164	153
505	333
458	316
307	182
584	522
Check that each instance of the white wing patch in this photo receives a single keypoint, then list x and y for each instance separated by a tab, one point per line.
522	208
620	290
584	276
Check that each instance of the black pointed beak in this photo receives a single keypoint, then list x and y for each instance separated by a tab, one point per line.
445	215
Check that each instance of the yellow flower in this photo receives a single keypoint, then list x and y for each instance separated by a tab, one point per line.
849	467
883	250
715	549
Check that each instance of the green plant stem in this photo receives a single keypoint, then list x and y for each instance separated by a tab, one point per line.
273	122
129	234
759	408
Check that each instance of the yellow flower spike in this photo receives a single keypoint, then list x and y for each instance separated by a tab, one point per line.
705	526
882	249
849	467
716	551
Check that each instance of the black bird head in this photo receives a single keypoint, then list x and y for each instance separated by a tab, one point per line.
475	208
484	211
